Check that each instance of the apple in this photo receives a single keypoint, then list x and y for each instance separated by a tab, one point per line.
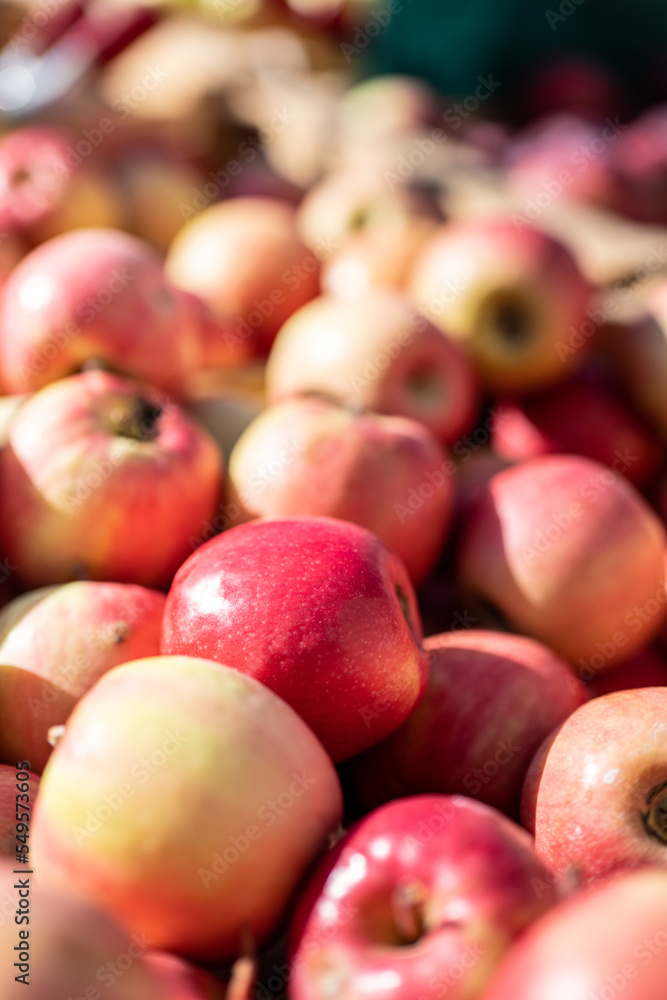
313	456
72	634
573	85
606	942
423	897
375	352
386	104
219	347
317	609
638	349
491	700
15	805
639	158
513	295
176	764
106	478
583	417
43	192
30	707
645	669
568	552
94	295
244	258
594	794
66	947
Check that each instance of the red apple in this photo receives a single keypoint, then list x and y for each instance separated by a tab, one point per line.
571	554
29	707
514	296
94	295
604	943
491	700
315	608
65	947
312	456
638	349
16	805
181	766
423	896
595	793
73	634
106	478
45	192
180	980
376	352
580	417
244	258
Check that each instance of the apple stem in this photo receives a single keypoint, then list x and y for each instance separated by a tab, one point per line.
136	418
54	735
655	817
244	970
407	903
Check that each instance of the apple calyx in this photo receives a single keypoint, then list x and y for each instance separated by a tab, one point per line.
135	417
655	817
407	909
507	319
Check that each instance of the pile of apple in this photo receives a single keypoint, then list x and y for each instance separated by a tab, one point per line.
332	571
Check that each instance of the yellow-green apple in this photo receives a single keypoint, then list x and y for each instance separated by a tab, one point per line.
491	700
514	297
375	352
29	707
47	188
16	804
422	898
582	417
317	609
606	942
646	668
54	944
387	104
312	456
176	764
94	296
105	478
72	634
595	795
244	258
570	553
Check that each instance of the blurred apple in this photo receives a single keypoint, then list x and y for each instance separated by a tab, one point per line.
645	669
94	296
312	456
513	296
376	352
570	553
16	805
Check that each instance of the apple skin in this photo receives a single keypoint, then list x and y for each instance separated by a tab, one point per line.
451	875
9	806
580	417
515	297
104	476
317	609
638	350
42	195
244	258
605	942
209	752
73	634
594	795
375	352
94	295
491	699
570	554
71	945
312	456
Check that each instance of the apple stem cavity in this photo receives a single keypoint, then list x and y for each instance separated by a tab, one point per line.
135	418
655	817
407	907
